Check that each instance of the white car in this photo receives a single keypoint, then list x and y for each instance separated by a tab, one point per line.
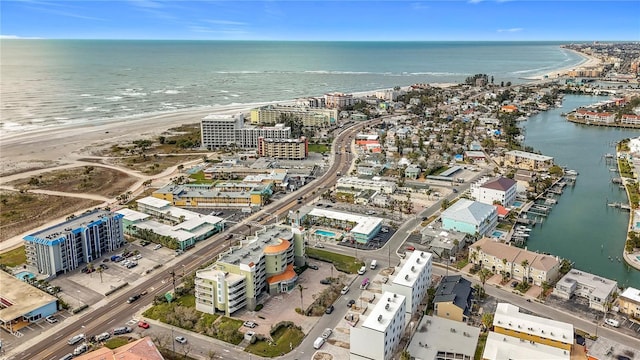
51	319
250	324
157	247
344	290
326	333
181	339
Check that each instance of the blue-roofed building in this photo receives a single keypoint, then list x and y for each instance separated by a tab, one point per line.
453	298
471	217
79	240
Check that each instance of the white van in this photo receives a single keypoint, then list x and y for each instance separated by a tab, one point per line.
362	270
102	337
319	342
76	339
374	264
612	322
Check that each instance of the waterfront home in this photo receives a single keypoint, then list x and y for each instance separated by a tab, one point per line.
470	217
436	336
527	161
629	302
513	262
596	117
496	190
597	290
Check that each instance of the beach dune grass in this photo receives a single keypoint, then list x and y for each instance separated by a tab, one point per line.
18	209
13	257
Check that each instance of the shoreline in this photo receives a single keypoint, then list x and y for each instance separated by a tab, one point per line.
627	256
588	62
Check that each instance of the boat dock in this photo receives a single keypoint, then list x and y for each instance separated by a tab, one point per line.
618	205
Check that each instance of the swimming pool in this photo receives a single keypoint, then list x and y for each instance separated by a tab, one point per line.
497	234
517	204
325	233
24	275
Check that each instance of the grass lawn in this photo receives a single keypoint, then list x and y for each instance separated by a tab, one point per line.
482	341
160	311
343	263
319	148
199	178
116	342
285	339
13	257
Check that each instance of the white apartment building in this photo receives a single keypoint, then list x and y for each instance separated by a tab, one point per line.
528	161
413	279
349	182
599	291
518	335
378	336
248	137
471	217
218	130
497	190
224	130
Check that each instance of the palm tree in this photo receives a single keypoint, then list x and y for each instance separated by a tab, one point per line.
99	270
300	287
483	274
525	265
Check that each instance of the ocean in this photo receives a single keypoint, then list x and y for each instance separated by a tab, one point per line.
52	83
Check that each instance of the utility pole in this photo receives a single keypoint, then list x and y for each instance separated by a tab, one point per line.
389	255
173	279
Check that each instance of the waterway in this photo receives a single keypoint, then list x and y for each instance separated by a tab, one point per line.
581	227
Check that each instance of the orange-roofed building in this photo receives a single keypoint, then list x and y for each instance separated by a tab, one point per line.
509	108
261	264
502	211
143	349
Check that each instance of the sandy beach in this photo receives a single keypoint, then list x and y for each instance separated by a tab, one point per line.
56	146
590	62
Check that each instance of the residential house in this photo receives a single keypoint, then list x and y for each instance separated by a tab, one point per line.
597	290
470	217
629	302
453	298
528	161
499	190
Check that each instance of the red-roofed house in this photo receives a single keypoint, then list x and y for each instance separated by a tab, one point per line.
592	116
630	119
143	349
502	211
497	190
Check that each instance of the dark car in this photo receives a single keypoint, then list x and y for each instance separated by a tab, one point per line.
325	282
514	284
350	303
133	298
329	309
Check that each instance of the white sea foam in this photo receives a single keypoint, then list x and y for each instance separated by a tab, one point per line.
113	98
172	92
234	95
91	108
85	95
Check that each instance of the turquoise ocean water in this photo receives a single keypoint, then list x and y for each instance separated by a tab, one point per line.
55	82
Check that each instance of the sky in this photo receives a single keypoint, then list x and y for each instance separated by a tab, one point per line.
452	20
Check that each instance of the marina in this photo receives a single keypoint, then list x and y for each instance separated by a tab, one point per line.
582	227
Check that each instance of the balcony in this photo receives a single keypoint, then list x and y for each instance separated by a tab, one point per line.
235	307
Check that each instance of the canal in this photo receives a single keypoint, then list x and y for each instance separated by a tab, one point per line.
581	227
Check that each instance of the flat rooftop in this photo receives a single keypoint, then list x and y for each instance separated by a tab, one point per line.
504	347
23	297
57	233
380	317
364	224
528	155
252	249
632	294
601	287
509	317
412	267
435	335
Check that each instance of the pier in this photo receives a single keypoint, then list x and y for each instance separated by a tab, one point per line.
618	205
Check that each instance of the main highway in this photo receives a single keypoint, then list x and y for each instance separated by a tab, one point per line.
116	311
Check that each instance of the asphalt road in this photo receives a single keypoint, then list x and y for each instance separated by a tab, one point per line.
116	311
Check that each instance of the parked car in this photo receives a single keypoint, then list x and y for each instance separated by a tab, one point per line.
325	281
313	266
181	339
350	303
326	333
81	349
102	337
344	290
76	339
158	246
329	309
144	243
249	324
411	248
51	319
514	284
319	245
143	324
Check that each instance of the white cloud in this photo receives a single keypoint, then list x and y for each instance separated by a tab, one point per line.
17	37
510	30
225	22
